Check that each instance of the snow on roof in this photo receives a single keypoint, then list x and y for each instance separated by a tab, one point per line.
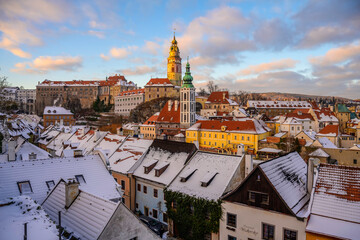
27	148
52	110
280	134
279	104
310	133
87	216
288	176
128	154
47	137
88	141
109	144
270	150
337	201
22	209
319	153
160	152
203	166
329	130
325	142
97	178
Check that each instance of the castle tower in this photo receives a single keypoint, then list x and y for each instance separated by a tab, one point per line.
174	64
187	100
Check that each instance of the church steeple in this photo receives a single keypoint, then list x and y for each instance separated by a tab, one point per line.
187	100
187	80
174	64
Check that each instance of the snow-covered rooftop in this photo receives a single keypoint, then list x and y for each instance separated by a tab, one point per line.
279	104
270	150
288	176
215	169
18	210
27	148
87	216
174	153
326	143
336	205
319	153
97	179
53	110
128	154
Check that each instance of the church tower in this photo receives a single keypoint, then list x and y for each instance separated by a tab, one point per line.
187	100
174	64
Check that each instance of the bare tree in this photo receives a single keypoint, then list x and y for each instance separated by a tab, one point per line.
212	87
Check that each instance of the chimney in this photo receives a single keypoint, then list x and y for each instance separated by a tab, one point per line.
97	135
248	164
3	146
176	105
240	149
11	150
169	105
224	94
310	175
71	192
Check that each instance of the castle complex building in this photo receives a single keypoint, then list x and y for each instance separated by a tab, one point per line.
49	93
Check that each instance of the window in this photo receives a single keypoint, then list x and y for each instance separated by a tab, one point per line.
155	193
146	211
231	237
122	184
136	205
355	161
145	189
248	138
80	179
139	187
231	220
252	196
24	187
265	199
289	234
268	231
50	184
165	218
242	138
155	213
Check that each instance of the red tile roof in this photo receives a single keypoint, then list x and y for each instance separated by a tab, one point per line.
218	97
340	181
152	120
117	78
172	116
247	125
158	81
300	115
330	129
132	92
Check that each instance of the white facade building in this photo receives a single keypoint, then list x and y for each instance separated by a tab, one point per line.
128	100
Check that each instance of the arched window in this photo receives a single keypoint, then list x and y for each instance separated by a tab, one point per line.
184	107
185	96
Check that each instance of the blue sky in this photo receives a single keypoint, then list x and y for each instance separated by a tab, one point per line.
309	47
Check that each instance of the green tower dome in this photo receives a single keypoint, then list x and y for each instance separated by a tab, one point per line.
187	80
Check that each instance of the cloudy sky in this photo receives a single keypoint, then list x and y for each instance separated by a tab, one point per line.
310	47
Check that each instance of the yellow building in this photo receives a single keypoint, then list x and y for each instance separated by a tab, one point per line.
148	130
224	137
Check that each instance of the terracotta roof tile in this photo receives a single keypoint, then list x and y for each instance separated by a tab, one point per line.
173	115
330	129
218	97
159	81
246	126
132	92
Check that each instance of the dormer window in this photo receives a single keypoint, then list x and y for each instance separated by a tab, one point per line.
184	176
161	168
24	187
207	179
80	179
50	184
149	166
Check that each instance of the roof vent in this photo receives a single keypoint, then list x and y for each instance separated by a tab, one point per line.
149	166
161	168
184	176
207	179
